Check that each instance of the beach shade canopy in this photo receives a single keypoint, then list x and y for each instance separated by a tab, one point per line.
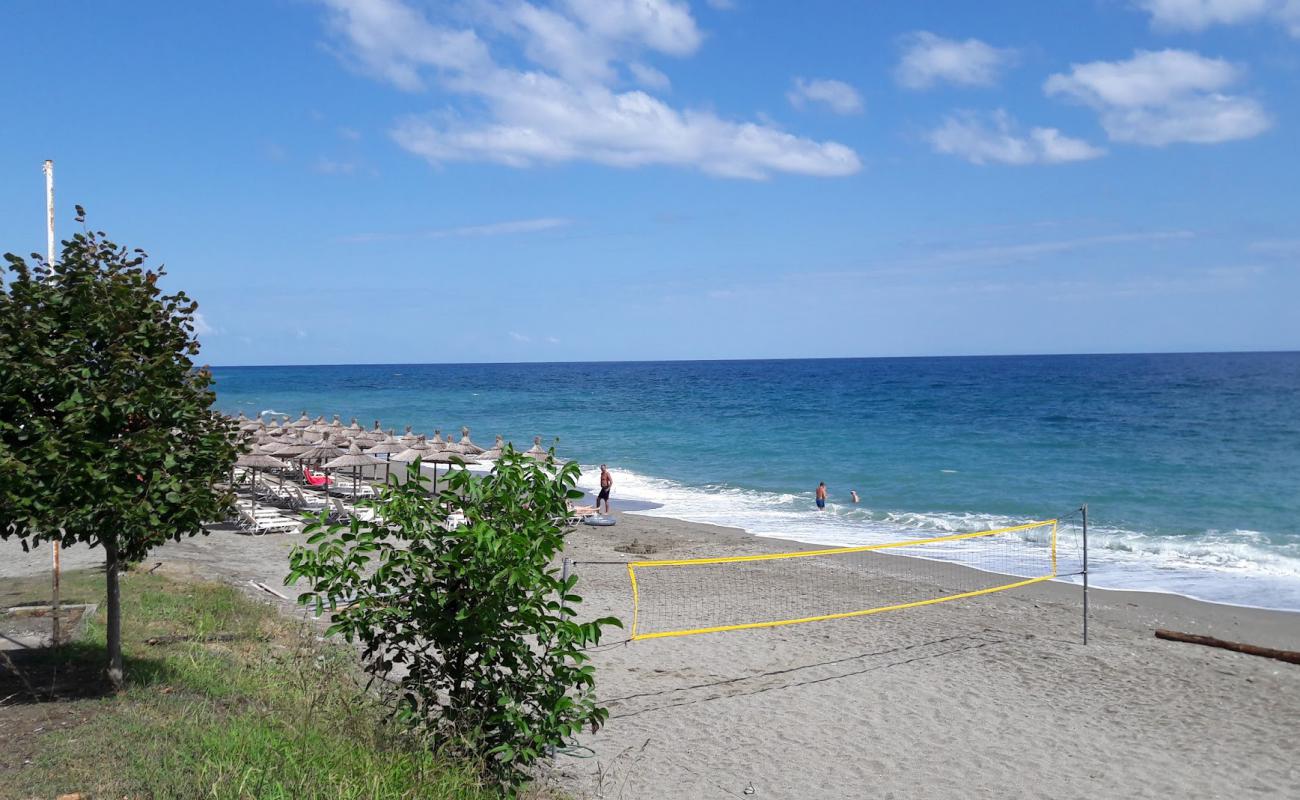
259	461
293	448
324	451
255	462
408	438
446	457
355	429
353	459
302	422
417	449
494	452
452	447
388	445
466	446
536	450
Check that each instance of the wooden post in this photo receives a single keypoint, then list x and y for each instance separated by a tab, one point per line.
1084	509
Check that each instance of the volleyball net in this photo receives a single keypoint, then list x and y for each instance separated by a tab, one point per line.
683	597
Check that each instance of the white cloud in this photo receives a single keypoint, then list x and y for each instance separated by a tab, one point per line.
929	59
488	229
538	118
519	337
663	25
995	138
1197	15
563	105
391	41
649	77
1162	97
201	326
328	166
1282	248
839	96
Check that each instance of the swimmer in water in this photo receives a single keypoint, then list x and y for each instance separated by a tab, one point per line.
853	495
821	496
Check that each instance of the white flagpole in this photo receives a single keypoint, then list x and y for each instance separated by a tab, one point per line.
48	168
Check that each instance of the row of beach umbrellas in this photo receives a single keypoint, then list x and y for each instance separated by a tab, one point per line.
335	446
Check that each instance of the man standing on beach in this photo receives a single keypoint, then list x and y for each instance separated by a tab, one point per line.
606	483
821	496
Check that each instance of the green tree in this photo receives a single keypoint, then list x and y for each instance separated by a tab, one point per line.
107	433
475	622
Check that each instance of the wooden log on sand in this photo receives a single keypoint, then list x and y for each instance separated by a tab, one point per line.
1289	656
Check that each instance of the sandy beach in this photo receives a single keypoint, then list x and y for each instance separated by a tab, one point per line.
989	697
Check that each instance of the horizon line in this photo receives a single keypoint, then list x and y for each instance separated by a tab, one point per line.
1277	351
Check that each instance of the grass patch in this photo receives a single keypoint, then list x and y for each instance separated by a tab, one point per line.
268	713
75	586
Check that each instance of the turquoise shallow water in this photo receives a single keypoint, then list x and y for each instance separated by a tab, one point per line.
1190	463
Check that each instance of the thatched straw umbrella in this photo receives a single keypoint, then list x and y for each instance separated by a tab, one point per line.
494	452
466	446
302	422
355	459
324	451
417	450
255	462
446	457
536	450
386	447
452	447
408	438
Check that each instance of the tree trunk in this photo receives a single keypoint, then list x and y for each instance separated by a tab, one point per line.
115	675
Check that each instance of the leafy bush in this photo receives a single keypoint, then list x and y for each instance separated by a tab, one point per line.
475	623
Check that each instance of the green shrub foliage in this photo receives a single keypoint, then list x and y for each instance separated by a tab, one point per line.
474	623
107	433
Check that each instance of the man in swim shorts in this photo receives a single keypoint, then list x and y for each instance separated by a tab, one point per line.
606	483
821	496
853	495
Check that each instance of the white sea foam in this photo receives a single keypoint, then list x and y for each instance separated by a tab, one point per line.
1238	566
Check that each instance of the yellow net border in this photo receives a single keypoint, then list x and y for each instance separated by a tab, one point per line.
633	566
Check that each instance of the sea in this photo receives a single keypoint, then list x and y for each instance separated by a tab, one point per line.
1189	464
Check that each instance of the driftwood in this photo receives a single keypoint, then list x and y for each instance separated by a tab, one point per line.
182	637
268	589
1289	656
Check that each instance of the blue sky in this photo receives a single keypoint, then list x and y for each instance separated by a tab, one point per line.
410	181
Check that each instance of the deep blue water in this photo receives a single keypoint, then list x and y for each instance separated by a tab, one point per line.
1190	463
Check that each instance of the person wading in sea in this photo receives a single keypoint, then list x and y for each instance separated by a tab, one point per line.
821	496
606	483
